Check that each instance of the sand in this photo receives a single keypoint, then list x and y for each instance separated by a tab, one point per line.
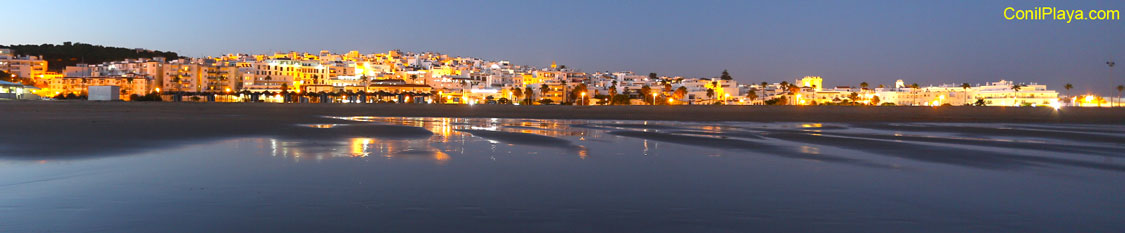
54	129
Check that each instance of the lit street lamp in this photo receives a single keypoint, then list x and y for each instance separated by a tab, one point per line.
653	98
583	98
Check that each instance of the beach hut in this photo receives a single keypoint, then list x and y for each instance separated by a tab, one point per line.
16	91
104	93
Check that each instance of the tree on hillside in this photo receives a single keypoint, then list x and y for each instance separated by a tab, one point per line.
863	85
652	76
726	76
70	54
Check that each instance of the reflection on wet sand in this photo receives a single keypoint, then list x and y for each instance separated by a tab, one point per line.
300	150
986	146
968	145
541	174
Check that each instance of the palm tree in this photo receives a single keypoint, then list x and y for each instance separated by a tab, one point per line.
543	89
915	86
710	93
1068	86
516	93
1119	89
528	93
366	82
1016	89
966	86
612	94
752	95
577	92
863	85
680	93
793	89
564	92
764	84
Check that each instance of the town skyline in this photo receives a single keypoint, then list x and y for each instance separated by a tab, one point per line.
923	42
775	80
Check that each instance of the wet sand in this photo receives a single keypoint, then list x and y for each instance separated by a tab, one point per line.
74	128
542	175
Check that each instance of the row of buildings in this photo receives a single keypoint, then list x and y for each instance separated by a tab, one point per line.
810	91
465	80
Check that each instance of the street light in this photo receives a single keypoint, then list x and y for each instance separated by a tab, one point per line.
653	98
583	98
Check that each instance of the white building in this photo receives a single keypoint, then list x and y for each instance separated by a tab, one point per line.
104	93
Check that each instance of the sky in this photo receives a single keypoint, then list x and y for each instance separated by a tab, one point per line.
845	42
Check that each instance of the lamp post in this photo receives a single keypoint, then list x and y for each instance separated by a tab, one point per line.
653	98
583	98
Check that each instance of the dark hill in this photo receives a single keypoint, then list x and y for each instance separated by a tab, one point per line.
69	54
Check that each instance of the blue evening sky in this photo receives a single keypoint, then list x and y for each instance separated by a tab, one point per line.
846	42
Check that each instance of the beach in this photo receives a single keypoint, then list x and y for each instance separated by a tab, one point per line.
62	129
105	166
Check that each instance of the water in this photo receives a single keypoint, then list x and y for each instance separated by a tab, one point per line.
521	175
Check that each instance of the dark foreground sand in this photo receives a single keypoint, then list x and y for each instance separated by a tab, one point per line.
38	130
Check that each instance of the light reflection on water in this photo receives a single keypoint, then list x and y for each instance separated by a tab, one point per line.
520	175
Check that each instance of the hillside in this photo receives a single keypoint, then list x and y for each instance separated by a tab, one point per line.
69	54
